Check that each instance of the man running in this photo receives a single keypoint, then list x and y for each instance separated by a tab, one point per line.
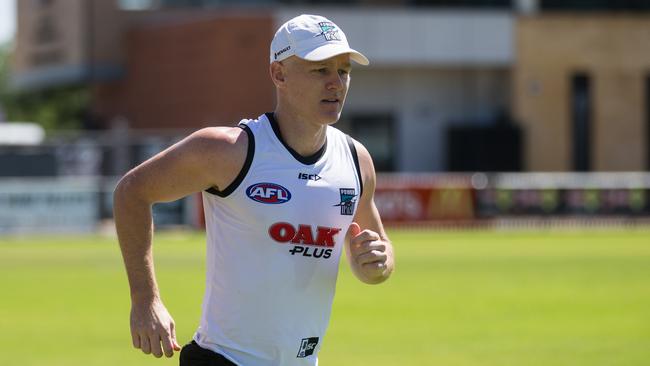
282	194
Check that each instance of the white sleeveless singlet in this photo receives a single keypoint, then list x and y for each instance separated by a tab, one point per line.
274	239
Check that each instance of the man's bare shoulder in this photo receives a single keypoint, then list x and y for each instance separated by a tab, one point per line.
219	151
218	137
217	142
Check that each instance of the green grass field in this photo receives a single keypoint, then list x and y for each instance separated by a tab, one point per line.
466	298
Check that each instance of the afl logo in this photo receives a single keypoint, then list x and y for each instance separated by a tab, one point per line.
270	193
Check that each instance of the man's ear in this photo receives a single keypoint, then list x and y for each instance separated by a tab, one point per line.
278	73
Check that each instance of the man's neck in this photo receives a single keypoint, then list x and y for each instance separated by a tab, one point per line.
302	136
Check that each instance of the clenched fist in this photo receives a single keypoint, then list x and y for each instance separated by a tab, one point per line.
370	256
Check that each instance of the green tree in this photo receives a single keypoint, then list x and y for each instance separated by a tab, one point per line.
53	108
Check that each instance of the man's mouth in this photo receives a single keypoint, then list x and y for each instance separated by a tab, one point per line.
330	100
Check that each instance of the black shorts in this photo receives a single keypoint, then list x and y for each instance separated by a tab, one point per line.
193	355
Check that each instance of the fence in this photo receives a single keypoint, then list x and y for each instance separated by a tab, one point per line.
407	197
81	204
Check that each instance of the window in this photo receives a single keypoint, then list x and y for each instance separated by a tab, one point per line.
602	5
647	122
376	132
581	121
137	4
464	3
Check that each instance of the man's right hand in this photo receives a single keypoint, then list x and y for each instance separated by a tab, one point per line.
151	327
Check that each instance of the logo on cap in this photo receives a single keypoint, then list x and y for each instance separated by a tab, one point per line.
329	31
281	52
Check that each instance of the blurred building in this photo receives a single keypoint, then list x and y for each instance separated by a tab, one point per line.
582	91
493	85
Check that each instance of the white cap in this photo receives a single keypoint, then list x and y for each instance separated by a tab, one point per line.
312	38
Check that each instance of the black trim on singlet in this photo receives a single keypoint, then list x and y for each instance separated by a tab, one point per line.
244	170
355	157
307	160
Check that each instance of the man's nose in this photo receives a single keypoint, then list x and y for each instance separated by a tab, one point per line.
336	82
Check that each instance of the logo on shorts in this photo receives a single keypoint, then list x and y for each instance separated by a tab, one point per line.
348	198
269	193
329	31
307	347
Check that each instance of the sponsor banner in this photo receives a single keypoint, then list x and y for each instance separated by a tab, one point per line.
65	205
48	205
563	194
556	202
403	198
424	204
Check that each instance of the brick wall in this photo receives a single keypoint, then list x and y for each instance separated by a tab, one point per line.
193	73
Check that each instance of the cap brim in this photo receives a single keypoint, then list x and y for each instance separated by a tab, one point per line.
330	50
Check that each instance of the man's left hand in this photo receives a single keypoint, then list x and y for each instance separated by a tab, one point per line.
368	254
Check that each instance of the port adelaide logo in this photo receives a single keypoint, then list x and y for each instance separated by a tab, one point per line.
269	193
348	198
329	31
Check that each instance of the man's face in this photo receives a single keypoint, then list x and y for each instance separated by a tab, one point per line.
316	90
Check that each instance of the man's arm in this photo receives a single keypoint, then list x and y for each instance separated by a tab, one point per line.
368	249
211	157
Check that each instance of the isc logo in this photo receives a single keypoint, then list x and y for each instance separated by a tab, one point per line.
270	193
307	347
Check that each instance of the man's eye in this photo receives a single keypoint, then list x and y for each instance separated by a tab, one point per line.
344	72
321	70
